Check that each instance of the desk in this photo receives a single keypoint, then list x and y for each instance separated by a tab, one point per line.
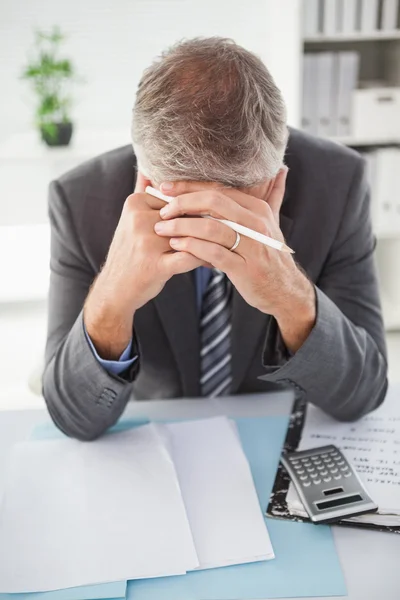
370	560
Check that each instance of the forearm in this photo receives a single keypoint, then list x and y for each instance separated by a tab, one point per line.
338	368
82	398
108	320
297	312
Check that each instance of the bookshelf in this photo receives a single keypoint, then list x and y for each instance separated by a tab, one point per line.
378	67
357	36
365	142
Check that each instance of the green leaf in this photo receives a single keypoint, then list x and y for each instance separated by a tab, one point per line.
50	129
50	75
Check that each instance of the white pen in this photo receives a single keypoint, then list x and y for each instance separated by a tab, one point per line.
250	233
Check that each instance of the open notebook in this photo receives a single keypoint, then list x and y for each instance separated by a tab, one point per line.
372	446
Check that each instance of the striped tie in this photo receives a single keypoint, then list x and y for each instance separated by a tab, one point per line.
215	338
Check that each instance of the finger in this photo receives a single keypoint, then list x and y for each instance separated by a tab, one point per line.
137	199
252	203
205	229
216	204
175	263
141	182
174	188
276	195
214	254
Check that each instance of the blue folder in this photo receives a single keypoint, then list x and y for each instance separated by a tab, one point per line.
306	562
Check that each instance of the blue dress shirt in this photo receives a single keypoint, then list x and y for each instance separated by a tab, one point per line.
116	367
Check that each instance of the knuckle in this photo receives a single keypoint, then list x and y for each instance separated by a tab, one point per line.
217	199
217	253
269	214
210	228
263	227
179	203
184	244
130	203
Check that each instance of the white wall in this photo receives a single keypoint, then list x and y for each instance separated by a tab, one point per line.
112	41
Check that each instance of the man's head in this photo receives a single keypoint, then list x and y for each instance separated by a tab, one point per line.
209	110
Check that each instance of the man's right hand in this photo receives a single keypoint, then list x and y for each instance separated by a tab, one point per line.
138	265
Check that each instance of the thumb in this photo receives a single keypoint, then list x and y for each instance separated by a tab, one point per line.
275	197
141	182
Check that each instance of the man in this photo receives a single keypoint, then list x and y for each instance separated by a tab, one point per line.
151	299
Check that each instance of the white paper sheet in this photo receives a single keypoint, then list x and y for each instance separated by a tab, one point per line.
372	446
80	513
219	494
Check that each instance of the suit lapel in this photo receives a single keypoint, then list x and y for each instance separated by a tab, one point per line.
176	306
249	325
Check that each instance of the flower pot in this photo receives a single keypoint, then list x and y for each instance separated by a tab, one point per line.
56	134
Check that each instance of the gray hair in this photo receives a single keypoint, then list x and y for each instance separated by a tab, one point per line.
209	110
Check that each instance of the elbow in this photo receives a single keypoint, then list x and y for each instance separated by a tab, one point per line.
369	400
70	421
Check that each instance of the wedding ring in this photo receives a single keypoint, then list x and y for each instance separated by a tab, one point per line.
237	242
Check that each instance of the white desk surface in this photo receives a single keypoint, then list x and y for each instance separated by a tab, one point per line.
370	560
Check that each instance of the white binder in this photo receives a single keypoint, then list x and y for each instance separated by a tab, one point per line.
348	16
325	93
310	17
390	14
369	15
330	17
309	104
347	67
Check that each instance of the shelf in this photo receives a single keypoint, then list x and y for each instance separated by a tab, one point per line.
357	36
351	141
85	144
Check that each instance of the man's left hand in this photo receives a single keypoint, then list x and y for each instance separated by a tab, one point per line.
266	278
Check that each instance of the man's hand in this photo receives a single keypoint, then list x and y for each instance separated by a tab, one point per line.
138	265
267	279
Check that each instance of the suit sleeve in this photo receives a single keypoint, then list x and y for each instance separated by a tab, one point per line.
83	399
342	366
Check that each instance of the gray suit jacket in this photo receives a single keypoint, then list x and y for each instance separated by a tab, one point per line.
325	218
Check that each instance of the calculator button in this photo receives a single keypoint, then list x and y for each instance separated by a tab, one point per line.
321	467
297	467
317	462
340	463
311	469
306	483
335	470
303	477
324	456
327	479
294	460
313	458
317	481
330	465
338	476
307	463
300	471
314	475
324	473
348	474
344	468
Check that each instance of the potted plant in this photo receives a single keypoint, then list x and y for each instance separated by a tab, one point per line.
51	77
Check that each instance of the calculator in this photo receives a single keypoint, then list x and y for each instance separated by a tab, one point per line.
328	486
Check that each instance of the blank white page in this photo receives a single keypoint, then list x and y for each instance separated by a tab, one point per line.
219	494
78	513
